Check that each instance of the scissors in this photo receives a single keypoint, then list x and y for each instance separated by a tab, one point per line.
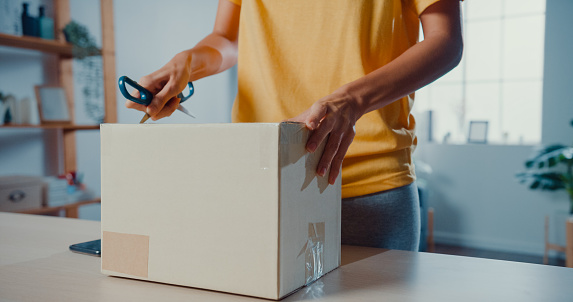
145	96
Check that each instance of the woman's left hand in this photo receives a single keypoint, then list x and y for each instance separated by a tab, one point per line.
331	118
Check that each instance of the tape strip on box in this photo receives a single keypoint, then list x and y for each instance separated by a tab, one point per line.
125	253
314	252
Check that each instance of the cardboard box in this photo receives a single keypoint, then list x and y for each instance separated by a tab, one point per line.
19	193
236	208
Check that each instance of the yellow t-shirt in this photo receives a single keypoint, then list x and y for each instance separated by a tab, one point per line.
294	52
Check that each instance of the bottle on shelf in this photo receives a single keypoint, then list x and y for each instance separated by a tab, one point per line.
29	23
45	25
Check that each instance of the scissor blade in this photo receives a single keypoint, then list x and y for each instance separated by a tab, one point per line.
145	118
182	109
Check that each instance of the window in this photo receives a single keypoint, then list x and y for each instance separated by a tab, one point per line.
499	79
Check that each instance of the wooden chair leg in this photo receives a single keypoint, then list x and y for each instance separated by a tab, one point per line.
72	212
569	245
546	253
430	239
567	249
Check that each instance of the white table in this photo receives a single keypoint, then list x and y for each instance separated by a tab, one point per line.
36	265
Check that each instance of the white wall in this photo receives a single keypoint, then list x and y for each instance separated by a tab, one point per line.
147	35
477	200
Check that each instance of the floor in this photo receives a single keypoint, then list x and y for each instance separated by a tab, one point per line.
470	252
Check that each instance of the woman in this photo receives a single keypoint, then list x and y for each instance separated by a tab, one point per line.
348	70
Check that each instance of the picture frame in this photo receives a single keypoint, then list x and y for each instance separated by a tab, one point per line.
53	104
477	133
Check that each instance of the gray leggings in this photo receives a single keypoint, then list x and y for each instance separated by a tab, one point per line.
388	219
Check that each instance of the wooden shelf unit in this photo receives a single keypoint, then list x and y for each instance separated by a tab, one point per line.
39	44
53	126
64	53
71	210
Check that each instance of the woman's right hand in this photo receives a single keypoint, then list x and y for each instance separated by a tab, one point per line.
165	84
217	52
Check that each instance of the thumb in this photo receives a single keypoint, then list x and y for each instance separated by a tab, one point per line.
161	98
315	115
299	118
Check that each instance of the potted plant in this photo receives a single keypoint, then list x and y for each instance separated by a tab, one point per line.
83	43
550	168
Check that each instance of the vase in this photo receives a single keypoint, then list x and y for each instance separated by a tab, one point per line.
45	25
29	23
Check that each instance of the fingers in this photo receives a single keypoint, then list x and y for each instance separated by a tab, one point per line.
320	132
337	145
160	100
333	126
165	84
329	152
336	165
133	105
144	82
148	82
167	110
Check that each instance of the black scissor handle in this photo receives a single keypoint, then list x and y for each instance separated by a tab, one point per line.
146	96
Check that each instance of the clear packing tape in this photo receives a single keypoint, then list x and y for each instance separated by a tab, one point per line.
313	252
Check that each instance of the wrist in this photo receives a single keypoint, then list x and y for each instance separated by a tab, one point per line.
202	61
354	99
183	61
185	57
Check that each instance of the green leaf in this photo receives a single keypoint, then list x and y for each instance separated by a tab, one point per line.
545	181
83	42
552	161
529	164
544	156
535	185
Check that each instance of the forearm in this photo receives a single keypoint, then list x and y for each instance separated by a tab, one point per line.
218	51
334	116
420	65
212	55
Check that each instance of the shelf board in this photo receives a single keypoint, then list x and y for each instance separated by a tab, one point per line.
47	210
35	43
53	126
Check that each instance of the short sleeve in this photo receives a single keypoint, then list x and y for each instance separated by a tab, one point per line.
237	2
421	5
